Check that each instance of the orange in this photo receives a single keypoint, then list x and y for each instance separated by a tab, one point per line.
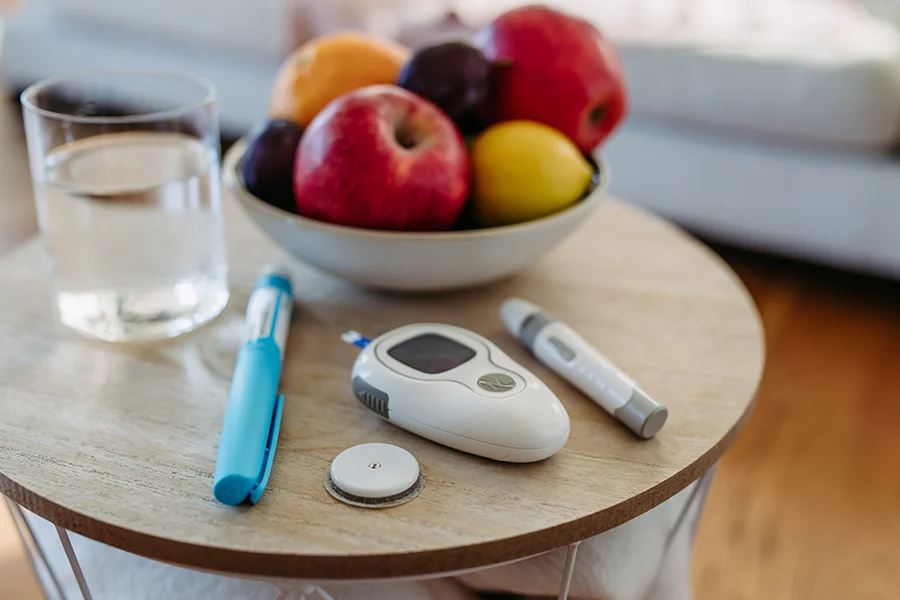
328	67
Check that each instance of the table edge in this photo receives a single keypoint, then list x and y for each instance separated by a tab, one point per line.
370	566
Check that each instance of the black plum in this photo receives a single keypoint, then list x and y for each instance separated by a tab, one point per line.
268	164
453	75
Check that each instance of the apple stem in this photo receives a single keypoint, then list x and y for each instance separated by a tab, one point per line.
404	138
597	115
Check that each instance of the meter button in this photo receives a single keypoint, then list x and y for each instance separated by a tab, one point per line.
496	383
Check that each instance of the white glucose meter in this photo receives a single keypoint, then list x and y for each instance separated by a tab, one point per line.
458	389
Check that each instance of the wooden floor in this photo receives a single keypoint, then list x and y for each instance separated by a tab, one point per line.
806	505
17	223
17	580
17	218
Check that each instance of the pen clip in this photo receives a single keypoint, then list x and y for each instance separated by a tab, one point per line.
268	457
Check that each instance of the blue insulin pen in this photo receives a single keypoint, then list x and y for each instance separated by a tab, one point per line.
253	415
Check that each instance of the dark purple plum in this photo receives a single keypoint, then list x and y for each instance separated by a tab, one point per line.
268	164
455	76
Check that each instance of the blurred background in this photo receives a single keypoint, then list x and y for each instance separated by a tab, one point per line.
768	123
767	127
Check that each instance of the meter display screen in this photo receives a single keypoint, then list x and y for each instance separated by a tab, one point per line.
431	353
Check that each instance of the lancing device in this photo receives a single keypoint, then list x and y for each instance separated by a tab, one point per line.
574	359
253	415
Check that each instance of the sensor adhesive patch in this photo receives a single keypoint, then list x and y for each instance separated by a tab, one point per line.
374	476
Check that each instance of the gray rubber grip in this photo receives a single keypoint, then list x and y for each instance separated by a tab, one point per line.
371	397
531	327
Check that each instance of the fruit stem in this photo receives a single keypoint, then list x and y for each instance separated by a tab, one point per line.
405	138
597	115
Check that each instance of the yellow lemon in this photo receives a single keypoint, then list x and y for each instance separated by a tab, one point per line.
522	170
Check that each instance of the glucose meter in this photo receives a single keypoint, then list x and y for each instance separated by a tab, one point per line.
457	388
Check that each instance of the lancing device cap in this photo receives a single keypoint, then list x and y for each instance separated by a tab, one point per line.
374	476
642	415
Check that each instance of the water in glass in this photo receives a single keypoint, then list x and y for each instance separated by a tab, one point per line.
135	233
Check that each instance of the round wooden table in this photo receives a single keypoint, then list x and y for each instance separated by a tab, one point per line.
118	443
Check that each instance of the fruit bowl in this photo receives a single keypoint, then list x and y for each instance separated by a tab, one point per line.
411	261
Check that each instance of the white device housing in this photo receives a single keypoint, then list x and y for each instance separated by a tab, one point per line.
569	355
374	471
488	405
588	370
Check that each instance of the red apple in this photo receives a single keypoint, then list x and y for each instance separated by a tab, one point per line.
382	158
554	69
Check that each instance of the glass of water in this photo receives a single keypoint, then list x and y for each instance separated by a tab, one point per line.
126	181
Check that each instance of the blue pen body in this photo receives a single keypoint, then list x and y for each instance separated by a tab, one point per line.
253	414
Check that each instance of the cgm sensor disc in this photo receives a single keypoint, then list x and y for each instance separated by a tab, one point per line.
374	476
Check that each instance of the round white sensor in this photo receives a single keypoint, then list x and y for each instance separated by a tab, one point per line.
372	473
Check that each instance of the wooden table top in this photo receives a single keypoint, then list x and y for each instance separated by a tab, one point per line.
118	443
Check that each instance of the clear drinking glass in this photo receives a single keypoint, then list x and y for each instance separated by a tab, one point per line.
126	183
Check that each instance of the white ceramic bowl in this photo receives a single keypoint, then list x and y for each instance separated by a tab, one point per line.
410	261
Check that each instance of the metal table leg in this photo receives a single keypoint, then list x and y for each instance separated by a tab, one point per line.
35	552
568	571
73	563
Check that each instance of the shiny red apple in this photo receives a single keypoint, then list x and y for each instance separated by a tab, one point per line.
555	69
382	158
